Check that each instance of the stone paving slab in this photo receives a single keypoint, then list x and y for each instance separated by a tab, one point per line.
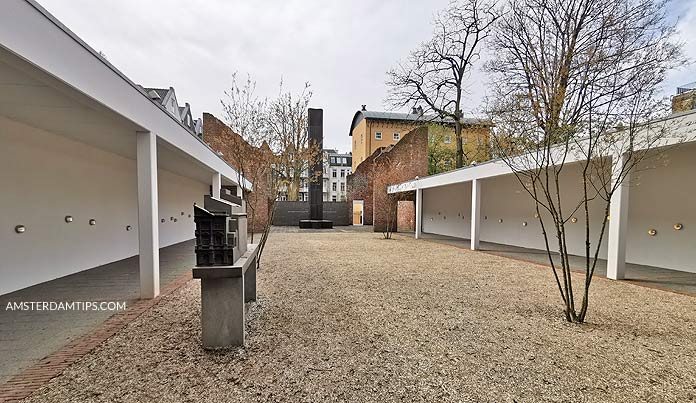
28	336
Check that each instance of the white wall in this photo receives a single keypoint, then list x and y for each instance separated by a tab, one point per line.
662	193
45	177
447	210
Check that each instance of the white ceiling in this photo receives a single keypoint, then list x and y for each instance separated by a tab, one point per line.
33	97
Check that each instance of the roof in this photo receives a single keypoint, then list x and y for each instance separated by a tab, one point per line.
410	117
161	92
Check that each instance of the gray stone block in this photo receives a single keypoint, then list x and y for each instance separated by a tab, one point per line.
222	312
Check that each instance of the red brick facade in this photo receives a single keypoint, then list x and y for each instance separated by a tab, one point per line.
222	138
406	216
398	163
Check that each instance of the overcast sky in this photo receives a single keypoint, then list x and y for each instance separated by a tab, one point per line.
342	48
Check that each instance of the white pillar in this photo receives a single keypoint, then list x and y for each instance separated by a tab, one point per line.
419	212
618	223
475	213
217	185
148	226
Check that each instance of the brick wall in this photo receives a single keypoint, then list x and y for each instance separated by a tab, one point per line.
406	216
401	162
359	185
238	152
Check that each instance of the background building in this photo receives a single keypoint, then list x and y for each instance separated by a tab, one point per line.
167	98
337	167
372	130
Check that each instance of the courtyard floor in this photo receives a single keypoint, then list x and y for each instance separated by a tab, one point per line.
352	317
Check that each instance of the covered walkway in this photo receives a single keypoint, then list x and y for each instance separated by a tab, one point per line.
647	276
28	336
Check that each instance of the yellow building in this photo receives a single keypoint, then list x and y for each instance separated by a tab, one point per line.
371	130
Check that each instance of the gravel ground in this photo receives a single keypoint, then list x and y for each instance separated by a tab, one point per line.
352	317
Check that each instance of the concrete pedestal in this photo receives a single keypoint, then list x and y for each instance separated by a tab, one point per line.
224	290
222	312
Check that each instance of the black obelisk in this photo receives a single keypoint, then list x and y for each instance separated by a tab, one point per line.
315	126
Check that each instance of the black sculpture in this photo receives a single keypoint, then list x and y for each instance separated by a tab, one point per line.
316	144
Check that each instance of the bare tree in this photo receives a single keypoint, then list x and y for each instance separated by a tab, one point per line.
436	72
287	124
245	114
575	103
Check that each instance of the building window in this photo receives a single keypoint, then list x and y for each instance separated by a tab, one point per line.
333	160
343	173
333	173
343	187
333	186
448	139
344	160
378	135
396	136
333	198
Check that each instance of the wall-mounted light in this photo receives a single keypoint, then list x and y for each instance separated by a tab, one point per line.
176	219
162	220
678	227
92	221
68	218
171	218
574	220
536	215
431	218
524	223
652	232
20	229
500	220
608	217
128	228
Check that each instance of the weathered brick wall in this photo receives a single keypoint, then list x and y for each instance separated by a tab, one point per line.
359	185
222	138
406	216
403	161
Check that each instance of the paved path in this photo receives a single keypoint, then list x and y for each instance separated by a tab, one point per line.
28	336
655	277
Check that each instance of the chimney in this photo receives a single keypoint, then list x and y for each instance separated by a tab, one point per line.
420	110
414	111
364	107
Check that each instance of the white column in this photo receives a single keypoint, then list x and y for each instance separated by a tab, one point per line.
618	223
475	213
217	185
148	227
419	212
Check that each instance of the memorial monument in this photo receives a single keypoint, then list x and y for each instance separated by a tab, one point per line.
315	123
226	266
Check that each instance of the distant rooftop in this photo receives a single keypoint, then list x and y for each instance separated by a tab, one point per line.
686	87
409	117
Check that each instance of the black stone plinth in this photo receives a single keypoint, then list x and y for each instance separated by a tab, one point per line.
316	224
